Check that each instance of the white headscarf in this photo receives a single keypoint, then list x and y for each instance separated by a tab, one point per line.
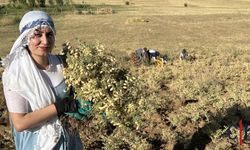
22	76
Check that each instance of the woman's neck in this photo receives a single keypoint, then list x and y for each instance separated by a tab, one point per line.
41	62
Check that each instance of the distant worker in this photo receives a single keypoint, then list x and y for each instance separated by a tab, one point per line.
153	55
148	56
140	53
138	56
164	58
183	54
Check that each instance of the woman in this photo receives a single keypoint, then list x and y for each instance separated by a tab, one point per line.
34	88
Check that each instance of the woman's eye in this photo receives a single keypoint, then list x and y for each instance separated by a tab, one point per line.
50	35
37	35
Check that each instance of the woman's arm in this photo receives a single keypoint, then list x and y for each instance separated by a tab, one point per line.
21	114
23	121
24	118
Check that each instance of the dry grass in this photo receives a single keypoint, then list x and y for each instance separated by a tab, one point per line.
169	26
216	32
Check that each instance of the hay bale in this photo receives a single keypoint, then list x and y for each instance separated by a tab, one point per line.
104	11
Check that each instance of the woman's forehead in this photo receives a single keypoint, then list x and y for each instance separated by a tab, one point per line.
43	29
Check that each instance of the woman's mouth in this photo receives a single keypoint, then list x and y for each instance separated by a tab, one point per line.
44	48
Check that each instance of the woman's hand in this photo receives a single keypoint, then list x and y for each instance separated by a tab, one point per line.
65	105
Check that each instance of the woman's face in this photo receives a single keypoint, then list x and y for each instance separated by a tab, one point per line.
41	42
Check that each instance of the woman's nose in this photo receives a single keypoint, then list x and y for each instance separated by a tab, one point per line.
44	39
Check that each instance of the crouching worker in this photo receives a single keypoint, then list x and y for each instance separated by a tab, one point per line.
153	55
34	88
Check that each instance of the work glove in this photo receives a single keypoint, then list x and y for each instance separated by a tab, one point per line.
65	105
83	109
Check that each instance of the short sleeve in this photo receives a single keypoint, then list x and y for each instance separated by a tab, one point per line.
16	103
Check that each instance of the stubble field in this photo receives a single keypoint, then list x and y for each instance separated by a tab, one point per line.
197	100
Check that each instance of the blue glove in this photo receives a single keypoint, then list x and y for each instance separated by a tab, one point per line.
83	109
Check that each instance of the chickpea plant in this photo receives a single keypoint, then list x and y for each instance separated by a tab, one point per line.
118	101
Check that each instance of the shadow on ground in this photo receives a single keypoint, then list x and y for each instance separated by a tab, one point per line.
201	138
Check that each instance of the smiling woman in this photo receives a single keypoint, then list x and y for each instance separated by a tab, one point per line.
35	90
41	43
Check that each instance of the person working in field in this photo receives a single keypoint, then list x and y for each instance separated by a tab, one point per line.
34	88
148	56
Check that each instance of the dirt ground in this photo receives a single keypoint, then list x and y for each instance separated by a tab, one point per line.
210	29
